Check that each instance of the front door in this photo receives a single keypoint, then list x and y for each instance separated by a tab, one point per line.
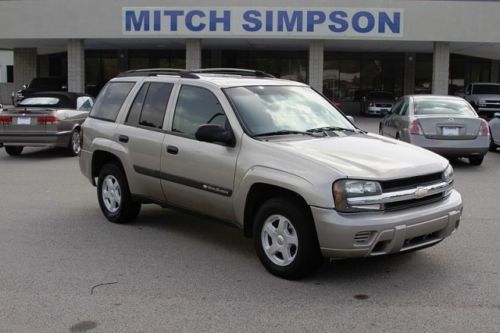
197	175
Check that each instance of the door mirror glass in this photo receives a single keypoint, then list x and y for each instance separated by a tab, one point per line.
214	133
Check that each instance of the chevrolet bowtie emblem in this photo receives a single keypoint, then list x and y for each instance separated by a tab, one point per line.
421	192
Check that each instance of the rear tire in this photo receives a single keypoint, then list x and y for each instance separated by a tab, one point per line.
14	150
285	239
476	160
74	148
114	196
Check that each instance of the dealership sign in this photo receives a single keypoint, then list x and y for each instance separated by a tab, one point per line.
262	22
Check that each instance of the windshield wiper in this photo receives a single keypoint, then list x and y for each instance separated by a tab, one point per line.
330	128
284	132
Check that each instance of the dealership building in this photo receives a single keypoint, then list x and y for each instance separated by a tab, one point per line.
342	48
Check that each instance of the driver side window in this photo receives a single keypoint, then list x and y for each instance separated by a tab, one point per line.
195	107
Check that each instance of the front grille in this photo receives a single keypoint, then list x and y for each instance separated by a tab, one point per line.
405	204
407	183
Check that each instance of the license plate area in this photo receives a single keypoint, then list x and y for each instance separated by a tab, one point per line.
451	131
24	120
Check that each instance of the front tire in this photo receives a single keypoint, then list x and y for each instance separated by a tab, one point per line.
114	196
14	150
285	239
476	160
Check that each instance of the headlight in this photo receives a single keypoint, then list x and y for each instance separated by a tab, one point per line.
351	188
448	174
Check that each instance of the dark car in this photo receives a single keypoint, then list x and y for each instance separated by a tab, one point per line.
40	84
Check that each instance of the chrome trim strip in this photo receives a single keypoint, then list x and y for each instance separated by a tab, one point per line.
419	192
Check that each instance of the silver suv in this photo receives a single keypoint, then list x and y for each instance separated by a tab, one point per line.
271	156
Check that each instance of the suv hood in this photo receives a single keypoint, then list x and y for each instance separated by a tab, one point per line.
368	156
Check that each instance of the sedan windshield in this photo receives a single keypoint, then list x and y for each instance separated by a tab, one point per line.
446	107
37	101
285	110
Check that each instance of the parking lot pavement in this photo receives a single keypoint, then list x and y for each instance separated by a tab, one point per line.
64	268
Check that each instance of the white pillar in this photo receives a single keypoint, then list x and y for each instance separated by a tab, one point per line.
316	60
193	54
441	68
25	67
76	65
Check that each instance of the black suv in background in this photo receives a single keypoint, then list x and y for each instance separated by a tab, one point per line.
40	84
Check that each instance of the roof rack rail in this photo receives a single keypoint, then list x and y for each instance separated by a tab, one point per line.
159	71
232	71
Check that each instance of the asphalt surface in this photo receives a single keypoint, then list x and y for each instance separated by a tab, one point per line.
64	268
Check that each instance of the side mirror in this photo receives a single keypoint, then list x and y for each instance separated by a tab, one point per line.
214	133
496	115
25	86
351	119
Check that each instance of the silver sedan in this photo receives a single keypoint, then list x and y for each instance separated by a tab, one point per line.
446	125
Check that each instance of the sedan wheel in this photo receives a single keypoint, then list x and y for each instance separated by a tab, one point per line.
14	150
74	147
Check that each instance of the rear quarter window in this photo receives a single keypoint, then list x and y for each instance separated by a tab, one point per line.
110	100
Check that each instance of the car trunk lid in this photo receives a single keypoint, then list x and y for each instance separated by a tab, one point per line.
449	127
27	120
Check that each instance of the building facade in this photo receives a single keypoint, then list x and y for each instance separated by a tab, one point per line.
342	48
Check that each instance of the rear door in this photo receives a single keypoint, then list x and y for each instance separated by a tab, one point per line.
142	136
196	175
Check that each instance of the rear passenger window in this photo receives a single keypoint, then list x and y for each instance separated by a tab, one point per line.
136	108
195	107
155	105
110	100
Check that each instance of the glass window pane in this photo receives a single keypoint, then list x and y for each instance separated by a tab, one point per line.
136	108
350	73
110	100
195	107
155	105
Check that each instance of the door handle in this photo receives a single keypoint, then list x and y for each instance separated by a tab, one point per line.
123	138
172	150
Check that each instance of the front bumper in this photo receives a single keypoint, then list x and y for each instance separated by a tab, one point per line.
59	139
379	233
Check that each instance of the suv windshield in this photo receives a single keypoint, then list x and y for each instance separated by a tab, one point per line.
284	109
486	89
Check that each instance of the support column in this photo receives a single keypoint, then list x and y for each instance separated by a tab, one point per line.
193	54
441	68
409	74
316	62
76	65
25	67
495	68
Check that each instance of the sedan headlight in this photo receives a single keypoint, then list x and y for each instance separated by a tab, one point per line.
352	188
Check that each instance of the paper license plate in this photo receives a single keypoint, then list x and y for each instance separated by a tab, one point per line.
24	121
451	131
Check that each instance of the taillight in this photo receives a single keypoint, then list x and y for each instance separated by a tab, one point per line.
5	119
415	128
484	129
48	120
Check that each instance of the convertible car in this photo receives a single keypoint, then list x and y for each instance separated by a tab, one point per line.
45	119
